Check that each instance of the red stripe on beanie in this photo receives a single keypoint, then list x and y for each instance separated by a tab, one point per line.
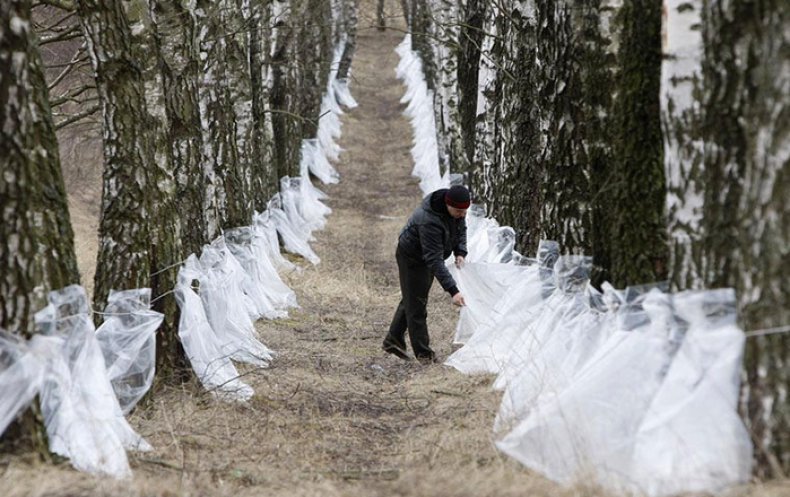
453	203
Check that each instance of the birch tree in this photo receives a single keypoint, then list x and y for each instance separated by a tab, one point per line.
124	231
313	55
37	249
175	30
348	27
471	36
235	17
264	169
637	244
284	124
37	253
216	117
166	233
724	109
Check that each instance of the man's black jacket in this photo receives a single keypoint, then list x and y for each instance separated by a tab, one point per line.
431	234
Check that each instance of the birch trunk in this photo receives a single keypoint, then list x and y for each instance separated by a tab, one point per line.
37	253
470	40
37	250
349	27
124	231
214	119
638	244
264	170
314	57
178	57
284	117
166	250
235	17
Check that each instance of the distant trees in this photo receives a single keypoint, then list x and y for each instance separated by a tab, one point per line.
203	107
538	102
569	132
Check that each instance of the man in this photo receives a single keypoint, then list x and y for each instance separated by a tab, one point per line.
436	229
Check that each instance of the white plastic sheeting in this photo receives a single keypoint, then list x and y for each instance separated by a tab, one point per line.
22	370
493	335
83	418
694	407
295	238
654	409
636	390
66	366
127	339
486	285
560	308
343	95
266	230
202	346
228	309
272	297
329	122
420	112
236	280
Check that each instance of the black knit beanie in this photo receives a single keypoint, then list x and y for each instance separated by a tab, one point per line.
457	196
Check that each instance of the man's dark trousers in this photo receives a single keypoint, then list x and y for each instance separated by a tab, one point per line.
415	283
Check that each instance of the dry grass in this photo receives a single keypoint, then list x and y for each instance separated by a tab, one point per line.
333	415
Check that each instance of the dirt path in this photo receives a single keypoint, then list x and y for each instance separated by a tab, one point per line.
334	415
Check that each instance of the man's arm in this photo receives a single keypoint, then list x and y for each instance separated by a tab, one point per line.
432	242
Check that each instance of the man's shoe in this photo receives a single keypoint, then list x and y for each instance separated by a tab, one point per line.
396	351
428	359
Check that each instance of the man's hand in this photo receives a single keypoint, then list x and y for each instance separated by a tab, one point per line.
459	261
458	299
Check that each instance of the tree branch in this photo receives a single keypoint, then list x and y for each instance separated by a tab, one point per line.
70	95
67	34
77	117
74	60
66	5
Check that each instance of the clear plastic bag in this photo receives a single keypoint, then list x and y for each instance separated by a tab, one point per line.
127	339
83	418
692	439
21	376
588	429
202	346
491	344
266	229
254	282
317	154
294	240
571	274
342	93
227	307
552	362
483	286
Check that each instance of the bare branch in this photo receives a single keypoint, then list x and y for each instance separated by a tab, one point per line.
77	117
74	99
66	5
70	95
67	34
40	28
74	60
67	64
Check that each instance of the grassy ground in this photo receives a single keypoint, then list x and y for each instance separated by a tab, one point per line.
333	415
